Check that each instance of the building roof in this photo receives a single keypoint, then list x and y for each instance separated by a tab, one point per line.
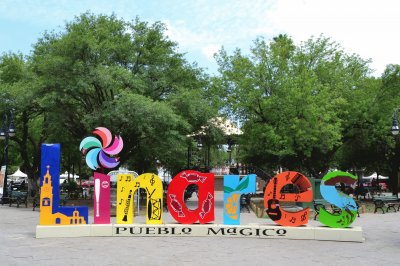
227	127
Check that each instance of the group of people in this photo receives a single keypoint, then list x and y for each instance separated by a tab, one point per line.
17	186
363	191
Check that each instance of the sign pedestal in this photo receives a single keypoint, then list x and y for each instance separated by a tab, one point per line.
352	234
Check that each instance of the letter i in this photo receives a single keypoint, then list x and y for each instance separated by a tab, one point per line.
101	203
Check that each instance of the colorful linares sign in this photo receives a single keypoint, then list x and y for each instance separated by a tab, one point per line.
234	186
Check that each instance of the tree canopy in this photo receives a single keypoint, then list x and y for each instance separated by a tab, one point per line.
103	71
302	106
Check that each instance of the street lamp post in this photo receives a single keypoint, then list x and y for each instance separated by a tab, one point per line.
7	131
231	146
230	143
202	145
395	123
395	131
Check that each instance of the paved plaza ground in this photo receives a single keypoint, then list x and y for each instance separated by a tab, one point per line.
20	247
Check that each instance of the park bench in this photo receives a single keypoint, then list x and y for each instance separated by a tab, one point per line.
18	197
389	202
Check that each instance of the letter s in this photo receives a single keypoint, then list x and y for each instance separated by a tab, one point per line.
347	205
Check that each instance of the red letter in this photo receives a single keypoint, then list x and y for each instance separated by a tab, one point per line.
176	205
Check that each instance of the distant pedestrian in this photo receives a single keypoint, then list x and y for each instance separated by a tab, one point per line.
91	192
85	193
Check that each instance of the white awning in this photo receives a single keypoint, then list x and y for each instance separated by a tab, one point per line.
18	176
65	176
18	173
374	175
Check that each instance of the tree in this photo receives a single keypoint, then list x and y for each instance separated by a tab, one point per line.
127	76
388	99
20	91
296	102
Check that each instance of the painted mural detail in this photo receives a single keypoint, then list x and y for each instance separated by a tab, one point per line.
127	185
101	153
204	213
125	196
346	204
233	189
274	196
175	205
50	211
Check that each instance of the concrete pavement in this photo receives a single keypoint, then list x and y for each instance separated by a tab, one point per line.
20	247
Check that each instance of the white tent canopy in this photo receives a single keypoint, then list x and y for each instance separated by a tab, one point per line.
375	175
19	173
18	176
64	177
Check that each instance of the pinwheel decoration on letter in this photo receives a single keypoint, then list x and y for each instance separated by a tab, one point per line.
101	153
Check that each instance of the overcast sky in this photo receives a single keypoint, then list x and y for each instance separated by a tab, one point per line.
368	28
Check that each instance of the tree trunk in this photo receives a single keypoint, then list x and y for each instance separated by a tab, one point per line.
394	177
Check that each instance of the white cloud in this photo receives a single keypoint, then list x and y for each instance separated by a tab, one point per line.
367	28
210	50
210	25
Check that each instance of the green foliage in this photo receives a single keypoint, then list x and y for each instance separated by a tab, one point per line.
296	102
71	187
126	76
19	91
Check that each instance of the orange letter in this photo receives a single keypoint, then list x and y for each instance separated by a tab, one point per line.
273	197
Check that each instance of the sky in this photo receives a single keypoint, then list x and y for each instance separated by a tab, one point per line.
369	28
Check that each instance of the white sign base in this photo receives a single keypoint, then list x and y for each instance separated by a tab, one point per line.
353	234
